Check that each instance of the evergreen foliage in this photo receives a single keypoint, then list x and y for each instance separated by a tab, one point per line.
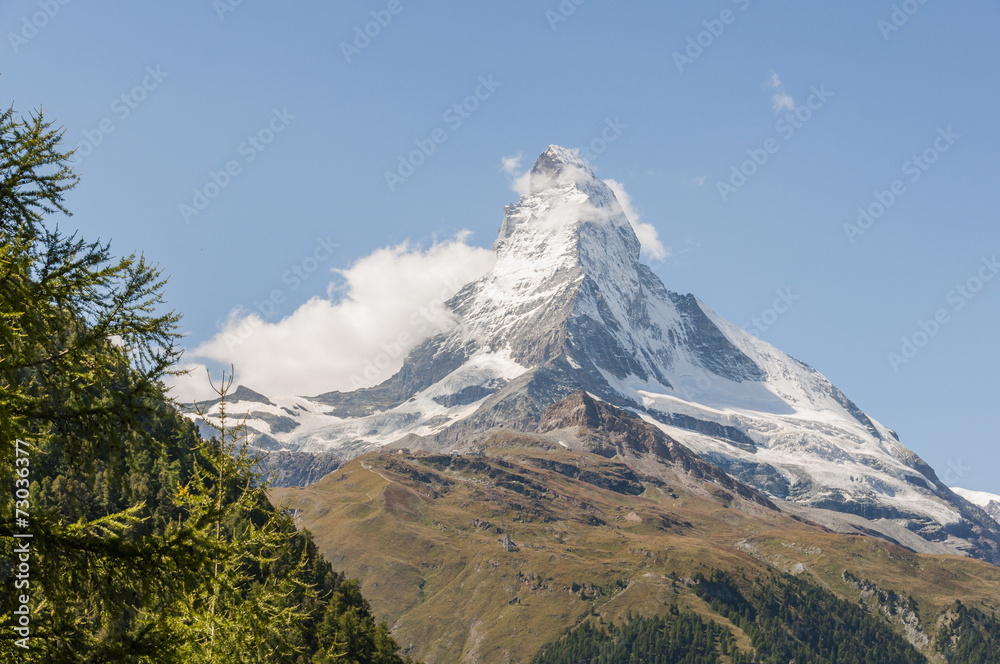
784	617
148	543
969	635
788	617
679	637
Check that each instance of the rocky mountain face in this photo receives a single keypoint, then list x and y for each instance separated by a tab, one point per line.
569	307
989	502
298	468
490	552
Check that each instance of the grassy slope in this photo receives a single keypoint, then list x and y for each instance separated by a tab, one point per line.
424	539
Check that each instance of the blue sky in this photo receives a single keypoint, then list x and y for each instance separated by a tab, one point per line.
288	135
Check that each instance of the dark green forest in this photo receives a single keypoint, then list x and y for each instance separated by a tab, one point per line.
969	635
678	637
786	619
130	538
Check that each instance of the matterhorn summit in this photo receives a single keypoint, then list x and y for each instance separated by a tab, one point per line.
568	306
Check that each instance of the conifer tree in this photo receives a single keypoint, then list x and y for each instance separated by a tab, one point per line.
82	350
147	543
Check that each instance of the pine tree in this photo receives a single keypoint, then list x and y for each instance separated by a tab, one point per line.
236	614
82	352
147	543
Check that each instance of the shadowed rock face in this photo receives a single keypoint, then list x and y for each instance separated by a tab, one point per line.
246	394
612	431
425	365
465	396
709	344
299	468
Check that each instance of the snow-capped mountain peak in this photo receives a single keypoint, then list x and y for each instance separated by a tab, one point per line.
559	166
568	306
571	219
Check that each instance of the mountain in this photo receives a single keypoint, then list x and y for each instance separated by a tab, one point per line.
990	502
593	516
568	306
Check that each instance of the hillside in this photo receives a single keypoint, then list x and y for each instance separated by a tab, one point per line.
590	535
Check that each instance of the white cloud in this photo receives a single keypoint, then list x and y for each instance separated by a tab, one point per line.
648	237
650	242
520	182
698	181
521	185
389	301
510	165
192	386
781	101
